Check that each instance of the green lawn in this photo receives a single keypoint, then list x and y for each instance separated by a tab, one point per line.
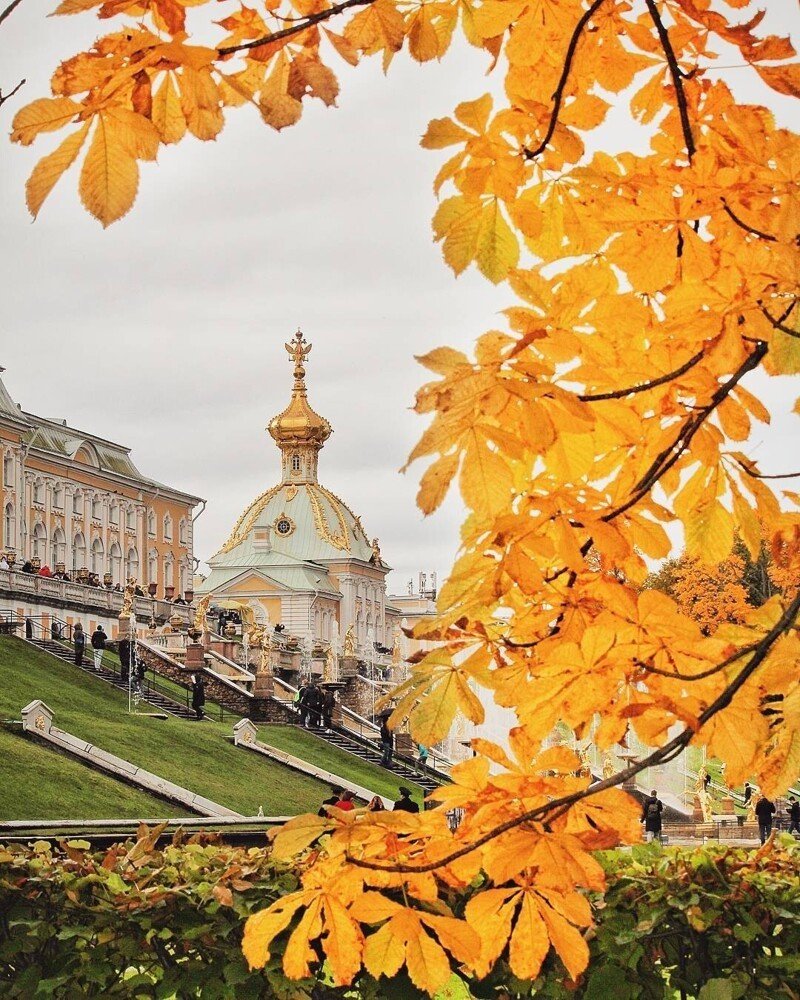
39	784
316	751
195	755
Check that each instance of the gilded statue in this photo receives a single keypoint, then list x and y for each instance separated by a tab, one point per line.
586	763
376	553
705	805
350	641
200	615
128	597
330	671
608	765
397	648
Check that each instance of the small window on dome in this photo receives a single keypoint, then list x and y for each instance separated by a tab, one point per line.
295	463
284	526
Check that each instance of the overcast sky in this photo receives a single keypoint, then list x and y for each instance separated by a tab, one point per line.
165	332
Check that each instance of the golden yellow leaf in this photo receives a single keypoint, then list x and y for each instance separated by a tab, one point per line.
167	113
262	927
297	834
529	941
497	248
486	481
442	132
436	481
50	168
45	115
110	174
342	942
709	532
735	734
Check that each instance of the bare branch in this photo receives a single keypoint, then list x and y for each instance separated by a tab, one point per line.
778	323
10	94
295	29
677	77
558	96
762	475
557	807
645	386
743	225
9	10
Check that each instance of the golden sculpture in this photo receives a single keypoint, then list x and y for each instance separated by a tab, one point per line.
608	765
750	816
586	763
330	672
376	553
200	615
700	783
298	350
350	640
128	597
705	805
397	648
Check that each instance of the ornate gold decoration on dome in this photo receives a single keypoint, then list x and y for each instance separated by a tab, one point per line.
291	493
284	525
298	424
340	540
247	519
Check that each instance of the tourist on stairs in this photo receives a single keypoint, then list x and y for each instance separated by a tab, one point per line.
387	742
79	638
198	694
98	645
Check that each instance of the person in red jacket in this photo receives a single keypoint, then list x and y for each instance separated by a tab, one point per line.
346	801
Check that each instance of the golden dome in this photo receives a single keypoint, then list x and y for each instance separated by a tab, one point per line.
298	424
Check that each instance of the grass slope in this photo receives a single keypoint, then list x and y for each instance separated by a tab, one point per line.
191	754
316	751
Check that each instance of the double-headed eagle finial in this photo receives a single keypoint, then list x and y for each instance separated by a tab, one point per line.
298	351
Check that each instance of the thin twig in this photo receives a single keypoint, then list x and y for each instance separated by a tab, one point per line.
9	10
763	475
677	77
308	22
743	225
557	807
558	96
645	386
778	323
5	97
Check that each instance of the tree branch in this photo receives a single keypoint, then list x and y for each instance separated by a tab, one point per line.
558	96
5	97
763	475
557	807
778	323
743	225
664	461
645	386
9	10
295	29
677	77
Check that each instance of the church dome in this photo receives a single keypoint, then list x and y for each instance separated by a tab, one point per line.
299	519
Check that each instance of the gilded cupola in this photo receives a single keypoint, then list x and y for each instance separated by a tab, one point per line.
298	430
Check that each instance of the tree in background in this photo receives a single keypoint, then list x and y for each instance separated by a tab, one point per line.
644	287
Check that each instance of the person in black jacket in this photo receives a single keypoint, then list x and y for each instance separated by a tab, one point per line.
387	743
794	815
98	645
198	694
79	638
765	810
124	651
652	808
405	803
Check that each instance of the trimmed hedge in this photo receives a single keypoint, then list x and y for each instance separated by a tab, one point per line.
136	921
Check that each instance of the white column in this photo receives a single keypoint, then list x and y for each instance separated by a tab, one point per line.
68	532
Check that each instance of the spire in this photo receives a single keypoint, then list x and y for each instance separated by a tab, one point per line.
299	431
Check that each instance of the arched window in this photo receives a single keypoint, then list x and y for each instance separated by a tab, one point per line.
169	572
96	508
39	541
58	497
115	563
78	551
97	556
113	513
152	566
167	528
184	578
151	523
38	492
295	463
182	531
77	503
8	526
58	547
130	520
132	563
8	469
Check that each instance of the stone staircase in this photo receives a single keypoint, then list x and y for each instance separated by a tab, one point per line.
158	701
368	751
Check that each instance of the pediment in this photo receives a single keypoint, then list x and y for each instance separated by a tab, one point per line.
250	582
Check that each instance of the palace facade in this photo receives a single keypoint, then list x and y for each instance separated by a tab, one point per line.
76	503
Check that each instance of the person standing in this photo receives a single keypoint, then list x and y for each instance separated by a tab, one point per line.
198	694
375	804
328	703
387	742
422	758
748	792
314	702
301	700
98	645
79	638
405	803
346	801
124	651
794	815
765	810
652	808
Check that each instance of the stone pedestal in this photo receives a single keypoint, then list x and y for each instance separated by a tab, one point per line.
349	666
727	806
264	686
195	656
697	810
404	745
124	627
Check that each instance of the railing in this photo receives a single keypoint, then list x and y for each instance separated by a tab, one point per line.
109	602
